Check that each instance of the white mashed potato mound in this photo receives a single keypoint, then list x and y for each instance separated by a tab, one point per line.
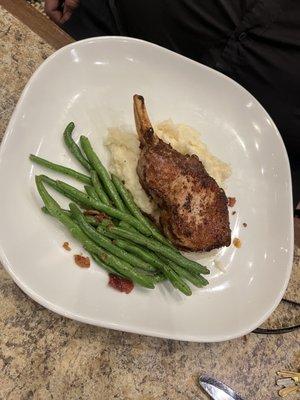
124	150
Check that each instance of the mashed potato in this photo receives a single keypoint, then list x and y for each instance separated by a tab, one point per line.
124	149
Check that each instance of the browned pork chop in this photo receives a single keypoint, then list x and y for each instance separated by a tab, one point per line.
193	208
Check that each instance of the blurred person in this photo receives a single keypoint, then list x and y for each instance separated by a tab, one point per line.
255	42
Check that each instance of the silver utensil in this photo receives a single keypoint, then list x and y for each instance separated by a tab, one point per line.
218	390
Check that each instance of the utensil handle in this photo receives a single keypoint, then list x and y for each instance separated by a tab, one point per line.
288	390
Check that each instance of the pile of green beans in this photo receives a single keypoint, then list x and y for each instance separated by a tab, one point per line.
125	243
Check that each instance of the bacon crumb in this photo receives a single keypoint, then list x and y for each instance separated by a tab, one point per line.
91	212
231	201
66	246
100	216
121	284
81	261
237	243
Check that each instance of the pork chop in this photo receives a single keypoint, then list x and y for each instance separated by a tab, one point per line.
193	208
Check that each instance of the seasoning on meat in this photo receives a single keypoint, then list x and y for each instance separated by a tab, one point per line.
237	243
233	213
121	284
193	208
81	261
66	246
231	201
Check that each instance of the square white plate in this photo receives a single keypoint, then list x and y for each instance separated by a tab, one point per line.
92	82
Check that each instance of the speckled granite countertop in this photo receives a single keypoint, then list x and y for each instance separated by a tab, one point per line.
44	356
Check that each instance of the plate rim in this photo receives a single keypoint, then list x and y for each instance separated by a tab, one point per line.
123	327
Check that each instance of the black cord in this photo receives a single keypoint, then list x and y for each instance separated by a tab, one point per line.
294	303
278	331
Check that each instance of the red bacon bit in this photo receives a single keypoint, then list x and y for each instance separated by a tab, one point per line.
231	201
81	261
66	246
121	284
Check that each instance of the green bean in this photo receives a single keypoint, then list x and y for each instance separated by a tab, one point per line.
135	211
83	198
99	190
67	212
130	228
151	258
106	243
158	278
102	264
158	235
127	197
145	255
158	248
56	211
73	147
154	278
102	173
89	218
126	226
199	281
90	190
61	169
51	182
112	261
126	269
176	281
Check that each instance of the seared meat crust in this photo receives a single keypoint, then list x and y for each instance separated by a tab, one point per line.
194	213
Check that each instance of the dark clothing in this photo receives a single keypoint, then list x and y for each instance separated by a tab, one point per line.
255	42
92	18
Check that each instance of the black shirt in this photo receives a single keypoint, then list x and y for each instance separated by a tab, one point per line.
255	42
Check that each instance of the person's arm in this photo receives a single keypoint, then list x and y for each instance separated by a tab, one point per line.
59	10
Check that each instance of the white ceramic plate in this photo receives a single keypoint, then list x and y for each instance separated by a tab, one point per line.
92	82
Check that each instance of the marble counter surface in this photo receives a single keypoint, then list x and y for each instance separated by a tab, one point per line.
45	356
